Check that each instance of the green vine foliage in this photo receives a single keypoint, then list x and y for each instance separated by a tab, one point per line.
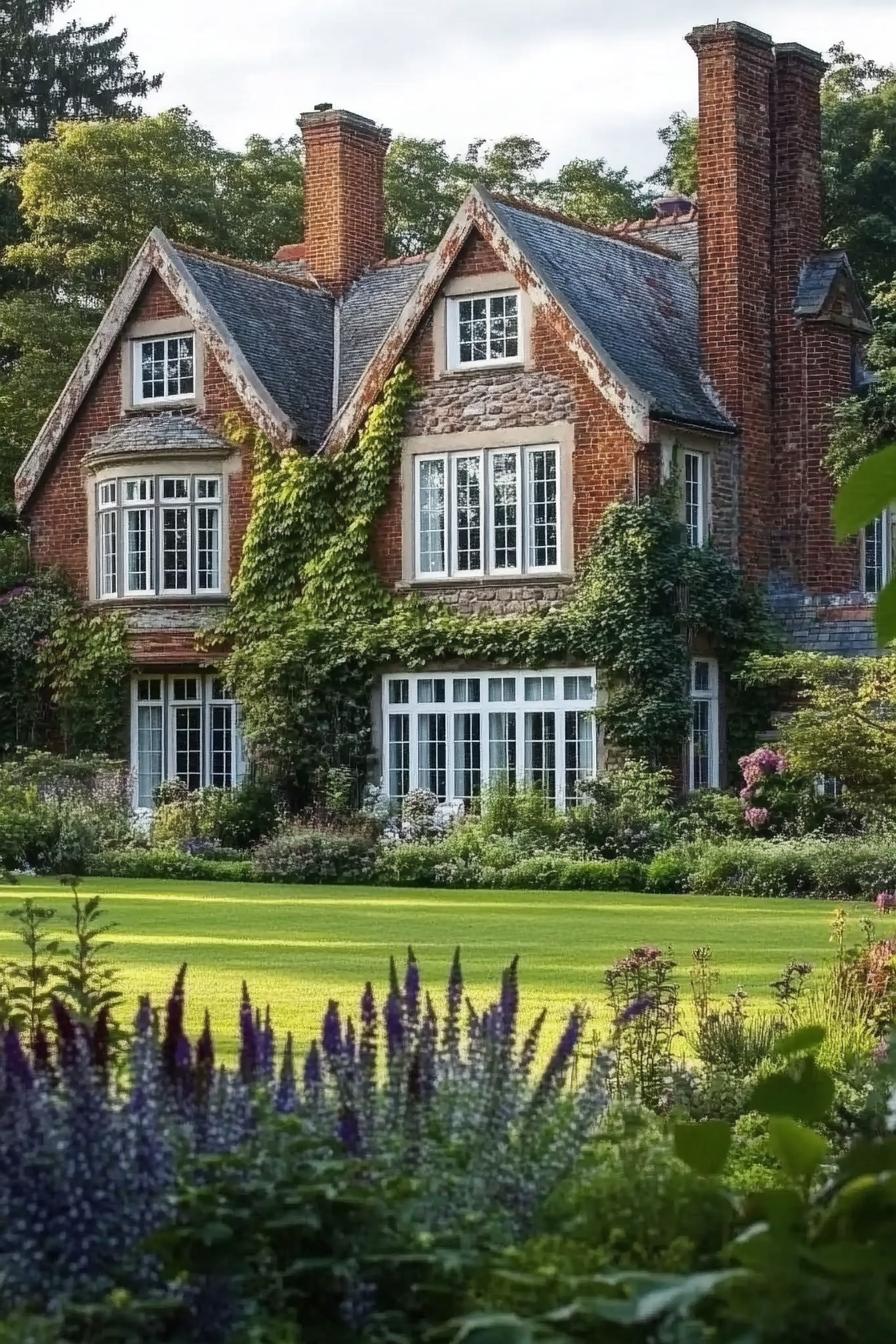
311	623
863	423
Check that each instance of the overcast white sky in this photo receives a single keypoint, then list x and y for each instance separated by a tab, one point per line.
586	77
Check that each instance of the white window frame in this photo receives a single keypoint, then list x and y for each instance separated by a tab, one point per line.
884	522
699	535
411	708
210	694
523	456
153	506
167	398
452	311
708	695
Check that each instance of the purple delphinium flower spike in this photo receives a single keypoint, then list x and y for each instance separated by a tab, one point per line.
429	1035
143	1020
205	1047
351	1046
99	1043
412	987
349	1130
632	1011
266	1046
40	1051
331	1032
312	1071
17	1068
174	1023
530	1044
510	1001
557	1065
394	1025
182	1056
248	1040
285	1100
66	1036
454	997
367	1043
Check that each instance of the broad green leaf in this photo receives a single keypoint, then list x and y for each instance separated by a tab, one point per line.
780	1207
762	1249
868	1157
866	492
704	1145
799	1150
654	1295
800	1041
806	1095
494	1329
885	613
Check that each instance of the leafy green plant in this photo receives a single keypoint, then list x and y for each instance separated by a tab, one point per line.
32	983
87	979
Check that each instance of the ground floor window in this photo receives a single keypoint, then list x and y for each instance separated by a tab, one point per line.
183	726
453	733
703	740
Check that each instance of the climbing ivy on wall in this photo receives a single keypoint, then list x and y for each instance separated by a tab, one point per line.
311	623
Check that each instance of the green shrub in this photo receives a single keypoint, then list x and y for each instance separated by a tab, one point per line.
549	872
296	853
842	868
168	864
411	865
709	814
670	870
235	818
627	812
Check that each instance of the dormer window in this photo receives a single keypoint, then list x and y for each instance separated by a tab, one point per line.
484	329
164	369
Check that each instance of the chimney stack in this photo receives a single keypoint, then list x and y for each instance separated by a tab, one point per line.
734	171
344	205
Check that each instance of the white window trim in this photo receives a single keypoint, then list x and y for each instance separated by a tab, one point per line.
205	701
167	399
886	520
452	312
702	460
487	568
518	706
154	508
711	697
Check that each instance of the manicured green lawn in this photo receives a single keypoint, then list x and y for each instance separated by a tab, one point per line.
297	946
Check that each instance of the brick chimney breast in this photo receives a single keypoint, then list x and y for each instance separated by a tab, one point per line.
344	204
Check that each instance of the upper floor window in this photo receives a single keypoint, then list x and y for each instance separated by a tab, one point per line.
483	329
703	739
877	553
694	484
164	369
159	535
494	512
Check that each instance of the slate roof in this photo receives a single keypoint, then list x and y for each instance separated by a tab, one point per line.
839	625
678	237
637	306
368	311
156	433
284	330
816	281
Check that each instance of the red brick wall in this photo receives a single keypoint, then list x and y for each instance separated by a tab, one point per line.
344	204
57	514
734	169
604	448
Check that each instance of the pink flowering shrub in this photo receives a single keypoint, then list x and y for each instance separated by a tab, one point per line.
885	901
756	817
759	764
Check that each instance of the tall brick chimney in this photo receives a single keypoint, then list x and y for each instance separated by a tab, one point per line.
735	70
813	359
344	207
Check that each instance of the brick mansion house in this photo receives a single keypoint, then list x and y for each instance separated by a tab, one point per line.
560	368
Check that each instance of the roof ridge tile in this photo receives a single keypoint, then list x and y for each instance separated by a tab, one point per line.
516	203
253	267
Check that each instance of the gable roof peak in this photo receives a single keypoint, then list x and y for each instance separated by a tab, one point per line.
557	217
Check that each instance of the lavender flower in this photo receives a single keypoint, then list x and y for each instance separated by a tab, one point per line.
394	1025
285	1100
312	1076
557	1065
632	1011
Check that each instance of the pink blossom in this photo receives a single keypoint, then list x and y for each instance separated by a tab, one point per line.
763	761
756	817
885	901
745	795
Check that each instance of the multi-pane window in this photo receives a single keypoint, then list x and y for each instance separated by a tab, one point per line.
164	368
484	329
456	733
703	739
877	553
184	727
158	535
495	512
694	470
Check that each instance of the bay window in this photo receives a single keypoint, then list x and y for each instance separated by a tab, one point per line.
159	536
456	733
487	513
183	727
703	739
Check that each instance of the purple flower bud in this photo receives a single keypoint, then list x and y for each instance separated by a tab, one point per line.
394	1025
266	1046
368	1007
285	1101
182	1055
174	1023
249	1046
18	1070
632	1011
331	1033
412	987
312	1071
205	1049
563	1052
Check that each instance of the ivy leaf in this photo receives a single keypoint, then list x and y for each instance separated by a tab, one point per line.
885	613
703	1145
866	492
799	1150
801	1041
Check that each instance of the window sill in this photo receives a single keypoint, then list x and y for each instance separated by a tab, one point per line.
492	366
161	600
153	407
